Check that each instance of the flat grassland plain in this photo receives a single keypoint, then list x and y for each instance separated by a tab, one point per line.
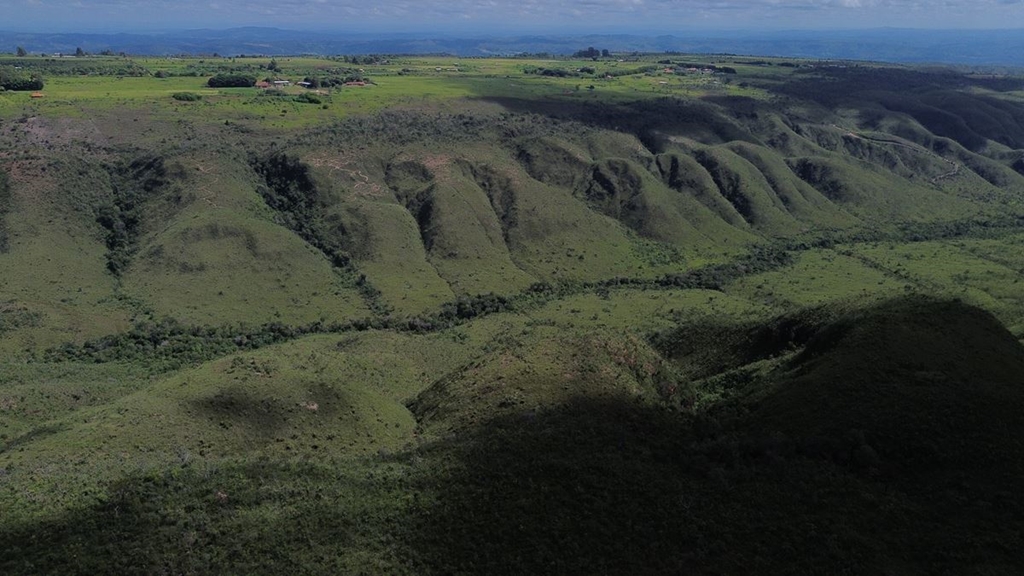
432	315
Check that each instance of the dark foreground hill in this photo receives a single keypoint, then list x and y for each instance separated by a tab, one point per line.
885	440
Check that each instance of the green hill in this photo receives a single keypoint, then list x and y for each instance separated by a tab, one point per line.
617	318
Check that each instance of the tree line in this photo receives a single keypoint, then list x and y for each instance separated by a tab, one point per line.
592	53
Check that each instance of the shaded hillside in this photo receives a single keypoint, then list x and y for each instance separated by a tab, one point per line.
926	384
879	429
872	440
935	99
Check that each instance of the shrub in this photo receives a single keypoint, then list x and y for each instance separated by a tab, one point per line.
186	96
308	99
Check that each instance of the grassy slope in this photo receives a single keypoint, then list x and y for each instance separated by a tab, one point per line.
322	396
54	271
218	259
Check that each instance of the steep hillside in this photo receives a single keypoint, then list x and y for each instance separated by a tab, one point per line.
53	271
209	252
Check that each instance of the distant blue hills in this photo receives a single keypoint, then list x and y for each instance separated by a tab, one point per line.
974	47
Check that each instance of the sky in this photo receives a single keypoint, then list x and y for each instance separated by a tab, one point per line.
507	16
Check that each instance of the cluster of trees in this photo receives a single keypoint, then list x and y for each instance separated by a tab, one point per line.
631	71
533	56
334	80
168	344
555	72
231	81
12	78
588	71
712	277
592	52
715	277
366	59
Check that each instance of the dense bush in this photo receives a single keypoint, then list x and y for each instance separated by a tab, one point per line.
186	96
17	80
231	81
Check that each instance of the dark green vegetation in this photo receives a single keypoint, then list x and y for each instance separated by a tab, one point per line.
13	78
186	96
231	81
505	325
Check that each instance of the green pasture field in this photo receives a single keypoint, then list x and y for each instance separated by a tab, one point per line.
403	81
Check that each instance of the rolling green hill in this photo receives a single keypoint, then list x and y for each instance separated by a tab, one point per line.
473	319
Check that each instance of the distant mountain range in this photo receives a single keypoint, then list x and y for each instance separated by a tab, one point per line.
977	47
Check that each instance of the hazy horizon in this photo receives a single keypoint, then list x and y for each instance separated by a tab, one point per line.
503	17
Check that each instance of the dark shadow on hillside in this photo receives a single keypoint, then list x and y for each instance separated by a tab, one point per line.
939	101
824	84
607	488
255	518
618	487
